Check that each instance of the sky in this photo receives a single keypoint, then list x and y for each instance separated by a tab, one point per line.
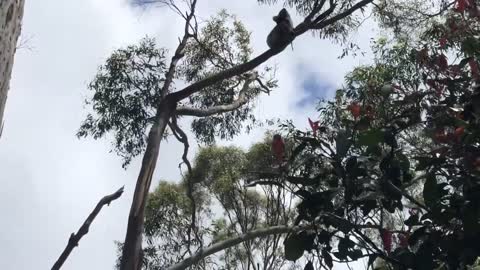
50	180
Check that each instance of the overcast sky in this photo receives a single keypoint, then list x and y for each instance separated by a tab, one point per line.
50	180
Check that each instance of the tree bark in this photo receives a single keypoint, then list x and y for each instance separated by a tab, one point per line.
132	247
11	14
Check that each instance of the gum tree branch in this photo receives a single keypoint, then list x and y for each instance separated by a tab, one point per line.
255	62
75	237
203	253
240	101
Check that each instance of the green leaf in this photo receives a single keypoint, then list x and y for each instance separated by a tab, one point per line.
430	191
296	244
293	248
371	137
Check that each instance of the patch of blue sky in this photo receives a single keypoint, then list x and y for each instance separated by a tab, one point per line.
314	89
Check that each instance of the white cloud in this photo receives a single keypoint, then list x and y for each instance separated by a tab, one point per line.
51	180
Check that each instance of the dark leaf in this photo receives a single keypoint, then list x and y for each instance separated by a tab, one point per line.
412	220
371	260
327	258
294	247
430	191
309	266
324	237
416	235
371	137
342	143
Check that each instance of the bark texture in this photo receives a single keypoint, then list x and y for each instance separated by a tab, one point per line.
11	14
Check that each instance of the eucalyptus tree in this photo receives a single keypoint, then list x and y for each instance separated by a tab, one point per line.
222	176
135	96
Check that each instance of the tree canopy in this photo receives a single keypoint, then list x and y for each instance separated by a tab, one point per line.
389	171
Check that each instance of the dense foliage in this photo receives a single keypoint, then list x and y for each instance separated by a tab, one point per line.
396	172
221	175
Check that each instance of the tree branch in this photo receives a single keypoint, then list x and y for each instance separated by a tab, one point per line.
255	62
342	15
75	238
233	71
232	242
182	137
240	101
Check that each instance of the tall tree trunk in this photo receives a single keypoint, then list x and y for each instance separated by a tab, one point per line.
11	14
132	247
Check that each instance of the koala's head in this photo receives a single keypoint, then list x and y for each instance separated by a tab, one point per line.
282	16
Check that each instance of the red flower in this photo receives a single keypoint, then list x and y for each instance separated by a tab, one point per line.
461	5
314	126
387	240
354	108
278	147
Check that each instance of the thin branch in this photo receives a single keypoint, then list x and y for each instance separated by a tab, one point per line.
327	13
75	238
342	15
240	101
202	253
179	52
182	137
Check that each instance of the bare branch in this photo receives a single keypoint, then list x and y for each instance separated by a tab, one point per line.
182	137
75	238
241	100
179	51
232	242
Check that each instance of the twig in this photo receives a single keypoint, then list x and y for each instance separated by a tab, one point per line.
75	238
